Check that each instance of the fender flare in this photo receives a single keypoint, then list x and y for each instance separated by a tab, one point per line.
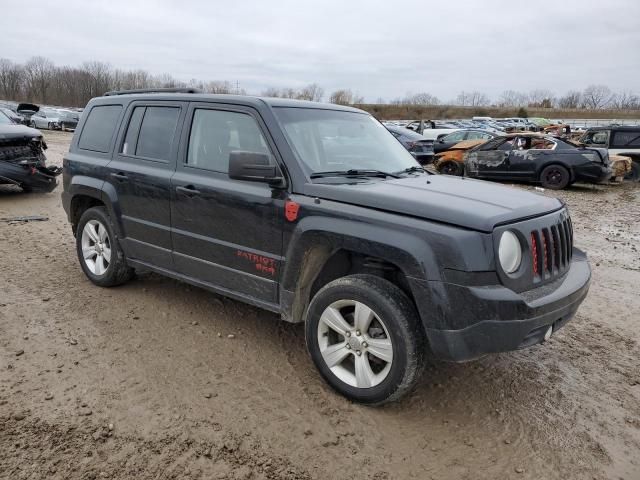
316	239
82	185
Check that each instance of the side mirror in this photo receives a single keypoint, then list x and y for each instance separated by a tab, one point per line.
253	167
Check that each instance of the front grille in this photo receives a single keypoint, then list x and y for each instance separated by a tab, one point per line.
551	249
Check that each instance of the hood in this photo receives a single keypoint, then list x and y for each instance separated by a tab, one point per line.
27	108
472	204
17	132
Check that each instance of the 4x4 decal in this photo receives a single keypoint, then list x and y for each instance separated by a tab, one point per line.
261	263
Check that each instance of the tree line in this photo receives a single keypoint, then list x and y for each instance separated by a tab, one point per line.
39	80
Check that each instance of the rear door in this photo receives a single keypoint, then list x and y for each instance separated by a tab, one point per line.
140	173
227	234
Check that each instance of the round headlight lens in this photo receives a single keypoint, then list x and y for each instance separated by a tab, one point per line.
509	252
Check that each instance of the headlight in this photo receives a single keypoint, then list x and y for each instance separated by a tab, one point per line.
509	252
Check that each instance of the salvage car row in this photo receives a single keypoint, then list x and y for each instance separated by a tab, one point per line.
50	118
554	157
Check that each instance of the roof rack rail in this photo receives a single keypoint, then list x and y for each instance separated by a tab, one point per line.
152	90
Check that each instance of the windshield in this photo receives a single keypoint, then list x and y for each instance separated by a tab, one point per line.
333	140
4	119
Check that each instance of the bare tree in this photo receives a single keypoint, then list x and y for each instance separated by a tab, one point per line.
571	99
596	96
11	76
421	99
312	92
38	73
472	99
342	97
541	98
216	86
625	100
512	98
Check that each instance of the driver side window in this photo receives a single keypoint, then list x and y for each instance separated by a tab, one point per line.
216	133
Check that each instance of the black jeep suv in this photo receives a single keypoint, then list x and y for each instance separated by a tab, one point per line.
316	212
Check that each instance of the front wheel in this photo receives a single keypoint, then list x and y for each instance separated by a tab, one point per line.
451	167
365	338
99	252
555	177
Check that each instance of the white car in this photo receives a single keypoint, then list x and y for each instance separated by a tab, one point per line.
49	119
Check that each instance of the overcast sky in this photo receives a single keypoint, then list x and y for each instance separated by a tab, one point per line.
377	48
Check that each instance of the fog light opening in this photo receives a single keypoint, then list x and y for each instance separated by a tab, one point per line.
547	334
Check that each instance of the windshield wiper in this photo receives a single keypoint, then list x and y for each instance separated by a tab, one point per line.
354	173
415	168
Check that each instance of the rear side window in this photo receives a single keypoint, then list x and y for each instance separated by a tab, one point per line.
156	132
99	128
626	139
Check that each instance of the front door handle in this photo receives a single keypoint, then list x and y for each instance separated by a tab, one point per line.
119	176
188	190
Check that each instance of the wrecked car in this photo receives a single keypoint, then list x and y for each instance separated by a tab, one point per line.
451	161
418	146
22	160
619	140
26	111
534	157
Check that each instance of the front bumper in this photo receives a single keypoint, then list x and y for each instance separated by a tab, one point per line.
472	321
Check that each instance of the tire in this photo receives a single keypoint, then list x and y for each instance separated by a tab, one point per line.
555	177
451	167
104	263
391	349
26	188
634	174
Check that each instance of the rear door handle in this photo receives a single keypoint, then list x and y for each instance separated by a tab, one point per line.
119	176
188	190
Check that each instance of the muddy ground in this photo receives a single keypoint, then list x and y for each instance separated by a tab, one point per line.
142	381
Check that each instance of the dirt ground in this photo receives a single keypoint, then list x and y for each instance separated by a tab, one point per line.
143	381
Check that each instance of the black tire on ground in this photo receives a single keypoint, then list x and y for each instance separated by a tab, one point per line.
634	174
117	272
555	177
399	324
451	167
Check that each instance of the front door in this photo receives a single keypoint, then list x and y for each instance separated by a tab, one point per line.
227	234
140	173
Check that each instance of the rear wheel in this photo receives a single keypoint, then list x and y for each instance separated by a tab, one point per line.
555	177
365	338
99	252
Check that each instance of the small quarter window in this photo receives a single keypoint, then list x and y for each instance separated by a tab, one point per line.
99	128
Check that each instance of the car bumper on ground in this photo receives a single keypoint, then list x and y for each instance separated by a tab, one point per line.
477	320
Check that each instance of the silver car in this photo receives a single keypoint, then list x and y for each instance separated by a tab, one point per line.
49	119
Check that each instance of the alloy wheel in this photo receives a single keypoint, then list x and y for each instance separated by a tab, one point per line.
355	344
96	247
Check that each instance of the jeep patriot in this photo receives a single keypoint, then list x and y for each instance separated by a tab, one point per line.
316	212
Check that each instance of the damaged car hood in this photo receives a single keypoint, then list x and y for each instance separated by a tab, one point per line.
17	132
473	204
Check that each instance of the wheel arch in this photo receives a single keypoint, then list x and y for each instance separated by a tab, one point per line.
317	257
86	192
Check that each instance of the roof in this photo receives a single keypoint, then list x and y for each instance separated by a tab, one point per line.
249	100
